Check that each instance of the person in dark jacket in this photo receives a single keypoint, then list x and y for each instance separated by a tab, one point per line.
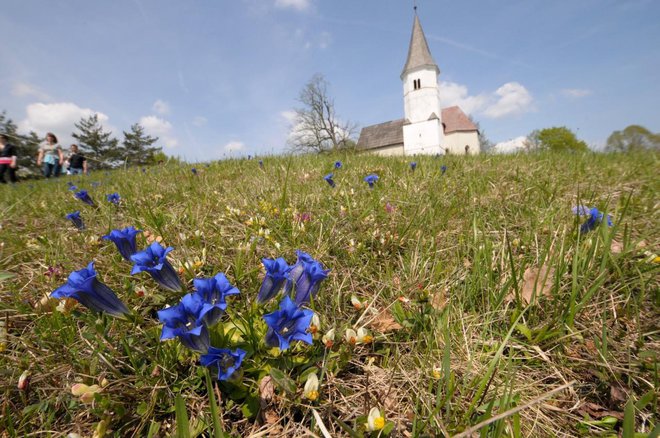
77	162
8	160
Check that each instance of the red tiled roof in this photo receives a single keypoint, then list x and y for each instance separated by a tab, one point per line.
454	119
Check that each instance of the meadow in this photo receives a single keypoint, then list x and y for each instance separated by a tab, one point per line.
464	302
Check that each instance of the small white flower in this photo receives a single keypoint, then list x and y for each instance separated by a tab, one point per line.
351	336
311	391
363	336
328	339
375	421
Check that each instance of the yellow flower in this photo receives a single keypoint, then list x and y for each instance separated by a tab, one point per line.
656	259
436	373
311	391
375	421
363	336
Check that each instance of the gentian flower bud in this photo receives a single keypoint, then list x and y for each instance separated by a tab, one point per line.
124	240
307	275
84	197
76	220
277	273
329	180
84	287
154	261
413	165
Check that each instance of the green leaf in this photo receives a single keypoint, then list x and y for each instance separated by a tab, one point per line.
283	381
5	275
182	423
522	328
629	420
218	431
645	399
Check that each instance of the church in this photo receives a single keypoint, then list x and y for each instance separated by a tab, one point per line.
426	128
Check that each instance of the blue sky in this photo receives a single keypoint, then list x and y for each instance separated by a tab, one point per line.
220	78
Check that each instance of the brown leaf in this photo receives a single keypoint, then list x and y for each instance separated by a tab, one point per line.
266	397
597	411
618	394
385	322
438	300
539	280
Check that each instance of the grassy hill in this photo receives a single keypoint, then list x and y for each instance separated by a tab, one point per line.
487	311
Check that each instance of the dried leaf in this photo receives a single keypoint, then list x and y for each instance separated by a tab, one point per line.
618	394
438	300
266	397
539	280
597	411
385	322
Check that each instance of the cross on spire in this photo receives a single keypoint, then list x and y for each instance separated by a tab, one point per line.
415	5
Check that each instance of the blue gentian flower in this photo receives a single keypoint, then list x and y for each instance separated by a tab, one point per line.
84	197
213	292
261	164
288	324
371	179
194	171
307	275
73	188
337	164
76	219
277	272
144	170
84	287
594	220
153	260
113	197
184	321
443	169
124	240
581	210
413	165
69	183
329	179
227	361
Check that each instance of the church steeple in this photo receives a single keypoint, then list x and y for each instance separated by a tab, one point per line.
419	54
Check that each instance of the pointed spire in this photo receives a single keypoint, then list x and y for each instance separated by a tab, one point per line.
419	54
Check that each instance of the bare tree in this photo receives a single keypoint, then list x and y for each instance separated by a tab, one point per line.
316	127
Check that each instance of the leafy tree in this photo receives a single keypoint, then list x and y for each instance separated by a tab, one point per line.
556	139
27	146
632	138
316	126
97	144
137	146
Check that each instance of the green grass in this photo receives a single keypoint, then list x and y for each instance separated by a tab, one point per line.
448	264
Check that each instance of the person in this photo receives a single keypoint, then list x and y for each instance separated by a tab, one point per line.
467	149
8	160
50	154
77	162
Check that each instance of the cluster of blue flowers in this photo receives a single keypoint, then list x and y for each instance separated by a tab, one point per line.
190	320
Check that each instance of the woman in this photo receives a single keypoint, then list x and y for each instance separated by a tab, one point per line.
50	154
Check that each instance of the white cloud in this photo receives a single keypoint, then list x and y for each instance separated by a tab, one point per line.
234	146
512	98
23	89
161	107
325	39
509	147
300	5
199	121
575	92
155	126
58	118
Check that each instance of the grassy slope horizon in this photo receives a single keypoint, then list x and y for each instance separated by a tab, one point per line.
446	256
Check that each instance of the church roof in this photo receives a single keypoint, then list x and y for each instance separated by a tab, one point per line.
454	119
391	133
381	135
419	54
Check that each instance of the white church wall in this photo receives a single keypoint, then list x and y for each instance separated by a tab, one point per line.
389	151
455	142
420	104
423	138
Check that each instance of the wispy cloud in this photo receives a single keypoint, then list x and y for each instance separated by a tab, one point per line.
161	107
199	121
576	92
24	89
234	146
299	5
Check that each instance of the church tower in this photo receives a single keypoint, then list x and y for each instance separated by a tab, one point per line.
422	130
